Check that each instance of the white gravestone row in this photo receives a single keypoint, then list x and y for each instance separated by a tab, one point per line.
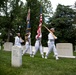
65	50
45	49
8	46
16	55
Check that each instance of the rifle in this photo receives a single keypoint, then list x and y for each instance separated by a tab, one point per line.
50	32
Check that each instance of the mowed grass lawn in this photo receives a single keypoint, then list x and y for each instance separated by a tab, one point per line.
37	65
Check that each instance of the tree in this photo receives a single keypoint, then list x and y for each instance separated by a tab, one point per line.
35	5
13	18
47	13
1	2
62	20
34	17
75	4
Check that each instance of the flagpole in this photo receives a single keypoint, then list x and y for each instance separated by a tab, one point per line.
50	32
28	28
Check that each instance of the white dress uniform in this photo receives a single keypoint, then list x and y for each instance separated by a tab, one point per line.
28	46
18	41
51	46
38	46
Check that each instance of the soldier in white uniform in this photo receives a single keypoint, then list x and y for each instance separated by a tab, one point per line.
28	44
38	46
51	44
18	40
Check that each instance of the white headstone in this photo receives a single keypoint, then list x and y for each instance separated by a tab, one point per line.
33	48
65	50
16	59
0	47
8	46
75	48
45	49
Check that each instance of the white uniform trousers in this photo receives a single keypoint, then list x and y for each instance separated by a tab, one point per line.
38	46
28	47
51	46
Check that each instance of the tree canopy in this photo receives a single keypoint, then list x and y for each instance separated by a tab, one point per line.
13	15
62	20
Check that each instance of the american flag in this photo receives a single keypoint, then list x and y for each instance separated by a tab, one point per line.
40	24
28	15
28	21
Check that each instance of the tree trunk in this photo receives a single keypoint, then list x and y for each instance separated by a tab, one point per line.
8	35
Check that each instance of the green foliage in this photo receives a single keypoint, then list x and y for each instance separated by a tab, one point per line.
62	20
13	19
35	5
1	2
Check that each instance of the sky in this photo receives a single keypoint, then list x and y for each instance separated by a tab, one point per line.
63	2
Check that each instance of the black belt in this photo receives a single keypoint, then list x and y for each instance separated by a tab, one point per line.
38	39
51	39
